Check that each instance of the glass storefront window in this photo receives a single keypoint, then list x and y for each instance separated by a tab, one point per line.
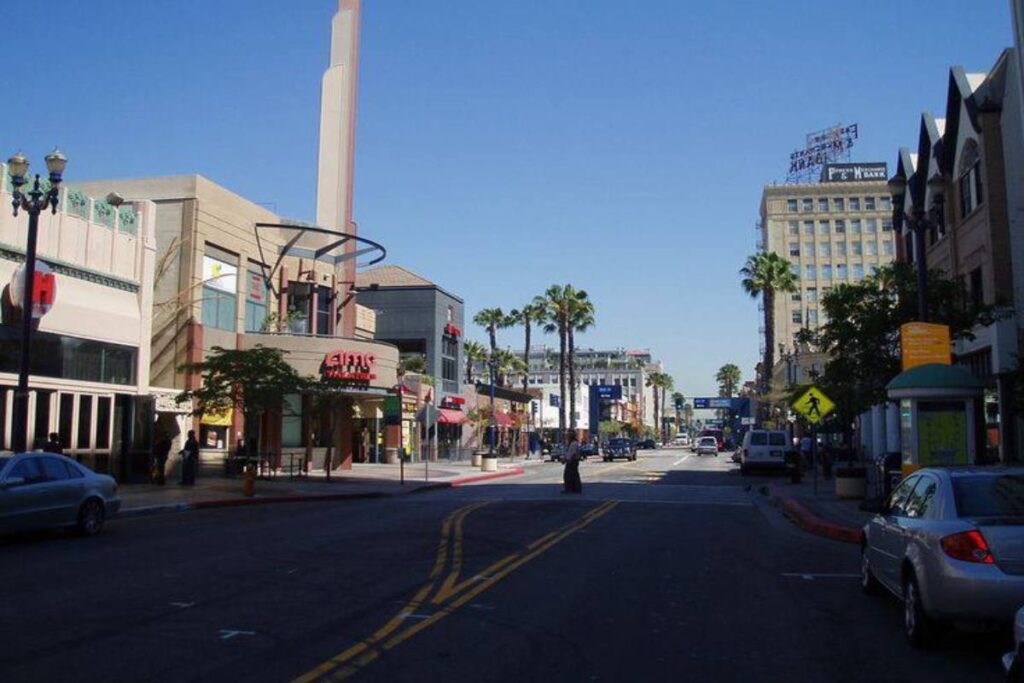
61	356
218	309
84	422
65	419
291	421
256	303
103	422
42	421
324	304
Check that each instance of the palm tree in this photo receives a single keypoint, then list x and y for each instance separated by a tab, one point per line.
659	382
475	353
728	378
412	365
508	364
581	318
556	316
527	315
767	274
491	319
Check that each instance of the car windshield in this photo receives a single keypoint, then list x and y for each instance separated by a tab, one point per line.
989	495
3	463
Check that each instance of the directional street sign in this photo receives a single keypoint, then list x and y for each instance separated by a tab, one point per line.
814	405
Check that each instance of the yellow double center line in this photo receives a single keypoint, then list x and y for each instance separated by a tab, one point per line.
451	594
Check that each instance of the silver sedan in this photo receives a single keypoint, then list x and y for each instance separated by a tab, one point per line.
43	490
950	544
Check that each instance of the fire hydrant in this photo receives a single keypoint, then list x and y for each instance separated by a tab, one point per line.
249	481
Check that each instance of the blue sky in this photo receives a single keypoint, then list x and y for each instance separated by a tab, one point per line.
504	146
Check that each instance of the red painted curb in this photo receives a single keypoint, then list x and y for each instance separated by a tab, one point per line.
484	477
809	521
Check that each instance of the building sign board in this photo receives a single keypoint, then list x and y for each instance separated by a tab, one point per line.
44	289
219	275
922	343
350	366
608	392
850	173
714	403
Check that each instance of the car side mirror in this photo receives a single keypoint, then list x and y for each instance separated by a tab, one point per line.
11	481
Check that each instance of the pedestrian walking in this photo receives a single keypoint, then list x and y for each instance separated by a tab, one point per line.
571	475
189	459
161	451
53	444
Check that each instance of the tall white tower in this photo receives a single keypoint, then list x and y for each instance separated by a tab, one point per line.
337	139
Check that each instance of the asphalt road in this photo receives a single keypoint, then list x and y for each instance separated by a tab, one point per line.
671	568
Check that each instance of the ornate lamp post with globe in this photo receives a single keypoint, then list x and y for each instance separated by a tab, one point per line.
33	201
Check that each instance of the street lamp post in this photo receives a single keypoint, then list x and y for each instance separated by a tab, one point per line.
34	202
492	365
919	222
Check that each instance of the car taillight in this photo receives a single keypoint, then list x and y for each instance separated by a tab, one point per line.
969	546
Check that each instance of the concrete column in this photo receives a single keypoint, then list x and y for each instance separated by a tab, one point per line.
344	433
878	430
893	442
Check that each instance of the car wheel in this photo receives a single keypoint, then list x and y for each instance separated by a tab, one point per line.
868	583
90	517
917	625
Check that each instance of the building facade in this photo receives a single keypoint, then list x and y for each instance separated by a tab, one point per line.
90	365
224	279
624	368
418	317
965	180
835	231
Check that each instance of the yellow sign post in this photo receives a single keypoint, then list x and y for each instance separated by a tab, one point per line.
923	343
814	405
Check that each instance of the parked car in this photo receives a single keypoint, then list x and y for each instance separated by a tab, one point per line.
681	440
619	448
647	444
949	543
1013	661
707	445
44	490
763	449
588	449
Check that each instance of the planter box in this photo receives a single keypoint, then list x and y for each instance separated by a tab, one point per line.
489	464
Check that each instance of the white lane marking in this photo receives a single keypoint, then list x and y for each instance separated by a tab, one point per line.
680	460
812	577
182	605
228	634
410	615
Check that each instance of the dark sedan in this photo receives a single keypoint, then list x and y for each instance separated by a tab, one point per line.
44	490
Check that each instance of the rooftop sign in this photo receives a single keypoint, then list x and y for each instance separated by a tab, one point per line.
820	148
850	173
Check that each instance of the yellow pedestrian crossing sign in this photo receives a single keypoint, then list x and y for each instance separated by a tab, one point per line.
814	405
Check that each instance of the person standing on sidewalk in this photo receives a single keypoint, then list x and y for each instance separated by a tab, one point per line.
161	451
189	459
571	475
53	444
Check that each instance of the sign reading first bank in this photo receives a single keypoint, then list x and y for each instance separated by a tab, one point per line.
851	173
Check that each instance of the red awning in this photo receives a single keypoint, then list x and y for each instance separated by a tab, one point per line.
502	419
451	417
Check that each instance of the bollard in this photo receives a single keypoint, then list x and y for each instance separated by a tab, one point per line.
249	481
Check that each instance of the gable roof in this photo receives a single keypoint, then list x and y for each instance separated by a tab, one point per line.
391	276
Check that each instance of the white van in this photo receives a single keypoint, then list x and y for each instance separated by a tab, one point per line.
763	448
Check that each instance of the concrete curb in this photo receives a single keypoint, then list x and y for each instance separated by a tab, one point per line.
809	521
170	508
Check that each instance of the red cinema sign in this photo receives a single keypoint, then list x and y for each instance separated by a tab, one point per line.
348	365
44	289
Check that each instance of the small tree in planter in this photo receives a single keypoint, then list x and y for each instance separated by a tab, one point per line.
251	380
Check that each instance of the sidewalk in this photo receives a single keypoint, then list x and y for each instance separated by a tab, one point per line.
824	514
361	482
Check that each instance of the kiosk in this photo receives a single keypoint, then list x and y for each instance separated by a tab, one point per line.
939	407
